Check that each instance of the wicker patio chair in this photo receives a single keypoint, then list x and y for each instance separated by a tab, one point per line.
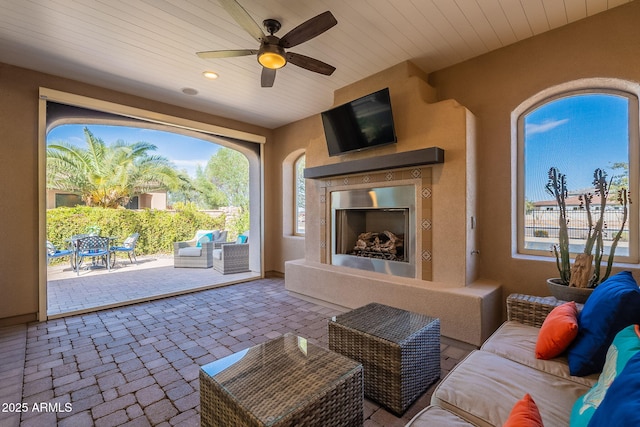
188	255
232	257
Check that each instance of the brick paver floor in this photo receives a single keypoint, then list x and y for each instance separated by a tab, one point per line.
138	365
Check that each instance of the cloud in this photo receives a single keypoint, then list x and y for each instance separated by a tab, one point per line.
547	125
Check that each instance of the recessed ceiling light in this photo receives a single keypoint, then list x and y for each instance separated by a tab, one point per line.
210	75
189	91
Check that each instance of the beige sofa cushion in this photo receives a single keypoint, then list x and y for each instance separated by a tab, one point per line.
484	387
435	416
517	342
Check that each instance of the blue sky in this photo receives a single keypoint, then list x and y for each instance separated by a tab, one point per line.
577	135
185	152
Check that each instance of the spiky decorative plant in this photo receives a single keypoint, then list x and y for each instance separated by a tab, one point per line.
586	269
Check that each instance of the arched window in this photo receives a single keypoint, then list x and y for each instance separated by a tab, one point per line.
576	128
299	193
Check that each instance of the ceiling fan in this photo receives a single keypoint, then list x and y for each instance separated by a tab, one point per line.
271	54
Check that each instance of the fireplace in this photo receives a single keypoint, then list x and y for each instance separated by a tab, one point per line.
374	229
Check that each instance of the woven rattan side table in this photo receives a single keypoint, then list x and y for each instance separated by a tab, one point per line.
400	351
283	382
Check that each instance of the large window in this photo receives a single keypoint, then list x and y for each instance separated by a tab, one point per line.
577	132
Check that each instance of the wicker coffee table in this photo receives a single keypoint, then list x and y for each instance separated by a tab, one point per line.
400	351
283	382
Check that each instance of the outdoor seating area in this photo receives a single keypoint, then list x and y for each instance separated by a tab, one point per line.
99	249
437	229
160	347
198	252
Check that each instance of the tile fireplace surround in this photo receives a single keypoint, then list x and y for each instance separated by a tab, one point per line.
419	177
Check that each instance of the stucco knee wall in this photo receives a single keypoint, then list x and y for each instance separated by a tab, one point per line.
469	314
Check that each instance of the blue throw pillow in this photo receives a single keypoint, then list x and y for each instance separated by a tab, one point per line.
621	404
625	345
241	239
613	305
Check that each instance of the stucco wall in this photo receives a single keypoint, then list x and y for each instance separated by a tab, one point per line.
493	85
19	89
281	245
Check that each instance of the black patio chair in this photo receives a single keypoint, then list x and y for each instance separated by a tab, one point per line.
95	247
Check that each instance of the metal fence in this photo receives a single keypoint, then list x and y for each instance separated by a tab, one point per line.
544	224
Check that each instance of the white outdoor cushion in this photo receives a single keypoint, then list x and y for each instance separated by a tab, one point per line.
435	416
217	254
190	251
484	387
516	342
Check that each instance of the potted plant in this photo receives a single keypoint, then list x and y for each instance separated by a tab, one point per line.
93	230
577	280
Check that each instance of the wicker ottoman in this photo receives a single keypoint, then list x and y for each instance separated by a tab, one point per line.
399	350
283	382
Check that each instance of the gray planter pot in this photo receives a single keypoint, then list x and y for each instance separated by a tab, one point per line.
566	293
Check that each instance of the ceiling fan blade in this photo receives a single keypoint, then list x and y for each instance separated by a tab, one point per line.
242	17
268	77
308	29
226	53
310	63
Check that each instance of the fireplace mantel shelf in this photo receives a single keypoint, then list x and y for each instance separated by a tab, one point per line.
425	156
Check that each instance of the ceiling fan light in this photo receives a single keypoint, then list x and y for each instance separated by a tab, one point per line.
212	75
271	56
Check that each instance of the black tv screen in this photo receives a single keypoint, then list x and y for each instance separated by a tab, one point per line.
364	123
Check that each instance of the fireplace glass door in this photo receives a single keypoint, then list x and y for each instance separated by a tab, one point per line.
372	233
374	229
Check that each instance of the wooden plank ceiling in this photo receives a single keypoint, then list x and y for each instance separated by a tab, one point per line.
147	47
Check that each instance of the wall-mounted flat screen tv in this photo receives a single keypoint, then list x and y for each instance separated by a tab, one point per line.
364	123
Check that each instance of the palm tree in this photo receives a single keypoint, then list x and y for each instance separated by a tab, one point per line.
108	176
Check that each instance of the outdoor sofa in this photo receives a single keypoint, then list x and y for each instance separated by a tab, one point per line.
489	386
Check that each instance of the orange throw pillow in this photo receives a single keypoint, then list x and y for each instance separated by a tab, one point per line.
558	330
524	414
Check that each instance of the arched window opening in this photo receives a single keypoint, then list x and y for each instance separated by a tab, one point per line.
576	131
299	213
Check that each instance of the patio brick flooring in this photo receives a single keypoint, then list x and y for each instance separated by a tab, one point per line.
138	365
149	278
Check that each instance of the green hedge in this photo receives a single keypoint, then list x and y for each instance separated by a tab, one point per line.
158	229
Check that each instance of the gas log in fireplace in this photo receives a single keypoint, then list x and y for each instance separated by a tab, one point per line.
385	245
374	229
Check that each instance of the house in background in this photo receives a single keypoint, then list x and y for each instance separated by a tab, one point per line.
155	200
573	202
473	245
